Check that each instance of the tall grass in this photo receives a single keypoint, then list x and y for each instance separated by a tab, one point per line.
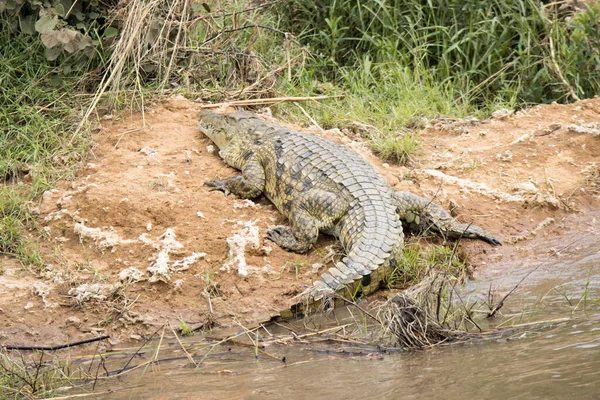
388	99
36	117
513	52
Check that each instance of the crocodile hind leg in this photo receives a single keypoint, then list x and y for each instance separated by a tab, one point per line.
247	186
317	209
419	212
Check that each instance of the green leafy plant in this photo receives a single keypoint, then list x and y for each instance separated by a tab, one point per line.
65	27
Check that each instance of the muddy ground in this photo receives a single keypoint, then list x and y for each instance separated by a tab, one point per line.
136	240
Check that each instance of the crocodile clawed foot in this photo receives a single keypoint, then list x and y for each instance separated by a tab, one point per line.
218	184
283	236
280	234
491	240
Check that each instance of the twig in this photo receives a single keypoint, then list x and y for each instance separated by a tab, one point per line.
357	306
140	348
113	70
58	347
167	74
272	100
315	123
212	16
241	28
82	395
188	355
501	302
225	53
306	335
126	132
485	81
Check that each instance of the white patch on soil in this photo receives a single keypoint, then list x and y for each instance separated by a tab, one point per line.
148	151
162	268
42	290
103	239
91	291
159	270
525	196
131	275
247	236
534	232
245	204
592	128
184	263
480	188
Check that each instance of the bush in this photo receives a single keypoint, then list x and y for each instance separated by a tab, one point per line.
69	29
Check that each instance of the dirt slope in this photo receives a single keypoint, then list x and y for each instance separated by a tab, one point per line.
136	240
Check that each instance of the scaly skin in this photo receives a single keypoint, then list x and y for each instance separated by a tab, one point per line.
321	186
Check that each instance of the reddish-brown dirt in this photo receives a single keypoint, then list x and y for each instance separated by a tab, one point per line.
139	202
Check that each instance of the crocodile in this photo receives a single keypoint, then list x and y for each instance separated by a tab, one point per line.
322	186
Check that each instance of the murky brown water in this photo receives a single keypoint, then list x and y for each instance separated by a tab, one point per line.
559	362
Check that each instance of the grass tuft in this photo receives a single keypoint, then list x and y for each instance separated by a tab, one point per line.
420	259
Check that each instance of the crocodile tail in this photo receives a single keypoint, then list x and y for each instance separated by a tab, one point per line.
418	212
352	277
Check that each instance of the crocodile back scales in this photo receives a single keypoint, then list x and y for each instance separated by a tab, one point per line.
296	163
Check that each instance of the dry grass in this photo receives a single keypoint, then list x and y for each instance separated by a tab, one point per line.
167	46
425	315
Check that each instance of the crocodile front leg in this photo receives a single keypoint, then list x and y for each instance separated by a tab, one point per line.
247	186
420	212
316	210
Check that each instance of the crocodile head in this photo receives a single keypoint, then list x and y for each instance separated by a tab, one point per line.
229	133
220	127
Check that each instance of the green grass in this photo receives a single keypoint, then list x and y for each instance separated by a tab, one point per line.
184	328
419	258
514	52
399	64
36	376
392	99
37	146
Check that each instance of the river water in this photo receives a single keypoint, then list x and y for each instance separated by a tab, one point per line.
558	362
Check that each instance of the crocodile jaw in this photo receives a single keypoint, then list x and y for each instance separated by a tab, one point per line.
219	137
213	126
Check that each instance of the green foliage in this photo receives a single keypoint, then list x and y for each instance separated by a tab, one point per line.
70	30
184	328
14	216
22	378
581	54
36	134
419	259
384	97
487	51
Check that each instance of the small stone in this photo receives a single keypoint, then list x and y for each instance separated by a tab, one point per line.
74	321
502	114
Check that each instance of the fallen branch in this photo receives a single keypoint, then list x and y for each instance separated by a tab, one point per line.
58	347
272	100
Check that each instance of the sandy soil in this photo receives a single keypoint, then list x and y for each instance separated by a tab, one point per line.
136	240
